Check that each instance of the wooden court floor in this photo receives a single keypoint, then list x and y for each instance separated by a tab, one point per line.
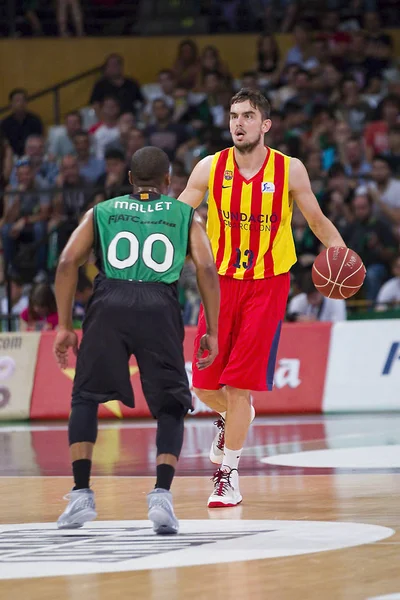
306	529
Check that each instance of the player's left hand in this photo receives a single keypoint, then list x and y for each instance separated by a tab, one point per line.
65	339
208	343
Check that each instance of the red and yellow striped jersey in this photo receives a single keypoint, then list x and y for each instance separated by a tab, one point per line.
249	221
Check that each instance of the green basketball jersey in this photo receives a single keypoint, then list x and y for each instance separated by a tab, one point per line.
142	237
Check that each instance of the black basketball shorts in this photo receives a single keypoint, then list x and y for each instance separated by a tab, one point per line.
125	318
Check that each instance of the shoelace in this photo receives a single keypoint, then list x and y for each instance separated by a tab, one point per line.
163	502
84	501
222	482
220	423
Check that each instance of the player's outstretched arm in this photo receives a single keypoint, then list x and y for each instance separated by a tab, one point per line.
207	280
75	254
197	184
301	192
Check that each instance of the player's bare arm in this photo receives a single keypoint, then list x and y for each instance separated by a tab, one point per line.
74	255
197	185
301	192
207	280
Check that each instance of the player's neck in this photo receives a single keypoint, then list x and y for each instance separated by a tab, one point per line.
251	160
146	189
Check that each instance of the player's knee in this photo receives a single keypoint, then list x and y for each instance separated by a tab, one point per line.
237	395
82	426
204	395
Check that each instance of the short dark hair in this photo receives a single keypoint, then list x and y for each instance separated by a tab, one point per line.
16	91
362	192
215	73
111	97
81	133
354	138
16	278
114	55
292	107
249	74
347	79
390	99
114	154
74	113
304	72
335	170
178	169
162	100
320	109
149	166
256	99
382	158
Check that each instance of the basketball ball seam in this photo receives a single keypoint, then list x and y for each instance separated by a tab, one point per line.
340	286
329	266
348	287
351	275
340	270
328	280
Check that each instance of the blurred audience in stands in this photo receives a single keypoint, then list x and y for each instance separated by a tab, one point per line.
389	294
41	313
63	142
335	97
114	84
310	305
21	123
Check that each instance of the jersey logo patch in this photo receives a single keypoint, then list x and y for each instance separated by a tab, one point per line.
228	175
267	186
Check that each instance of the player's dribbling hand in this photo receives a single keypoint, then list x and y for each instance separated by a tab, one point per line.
209	344
65	339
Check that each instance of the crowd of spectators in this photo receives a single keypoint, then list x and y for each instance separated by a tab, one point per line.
335	98
147	17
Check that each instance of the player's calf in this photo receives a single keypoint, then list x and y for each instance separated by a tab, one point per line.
82	433
218	443
170	419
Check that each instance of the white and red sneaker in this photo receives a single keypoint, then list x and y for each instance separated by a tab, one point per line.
217	446
218	443
226	489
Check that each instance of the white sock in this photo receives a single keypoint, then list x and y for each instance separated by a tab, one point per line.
231	458
223	415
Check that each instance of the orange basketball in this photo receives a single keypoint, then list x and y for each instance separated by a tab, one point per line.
338	273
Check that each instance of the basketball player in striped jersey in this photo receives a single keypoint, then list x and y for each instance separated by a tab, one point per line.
251	192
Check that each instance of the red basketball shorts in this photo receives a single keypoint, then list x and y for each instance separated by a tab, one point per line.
250	320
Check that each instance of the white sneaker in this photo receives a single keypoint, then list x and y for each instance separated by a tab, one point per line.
81	508
161	512
218	443
226	489
217	446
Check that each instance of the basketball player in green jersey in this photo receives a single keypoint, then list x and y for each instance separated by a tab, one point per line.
141	242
